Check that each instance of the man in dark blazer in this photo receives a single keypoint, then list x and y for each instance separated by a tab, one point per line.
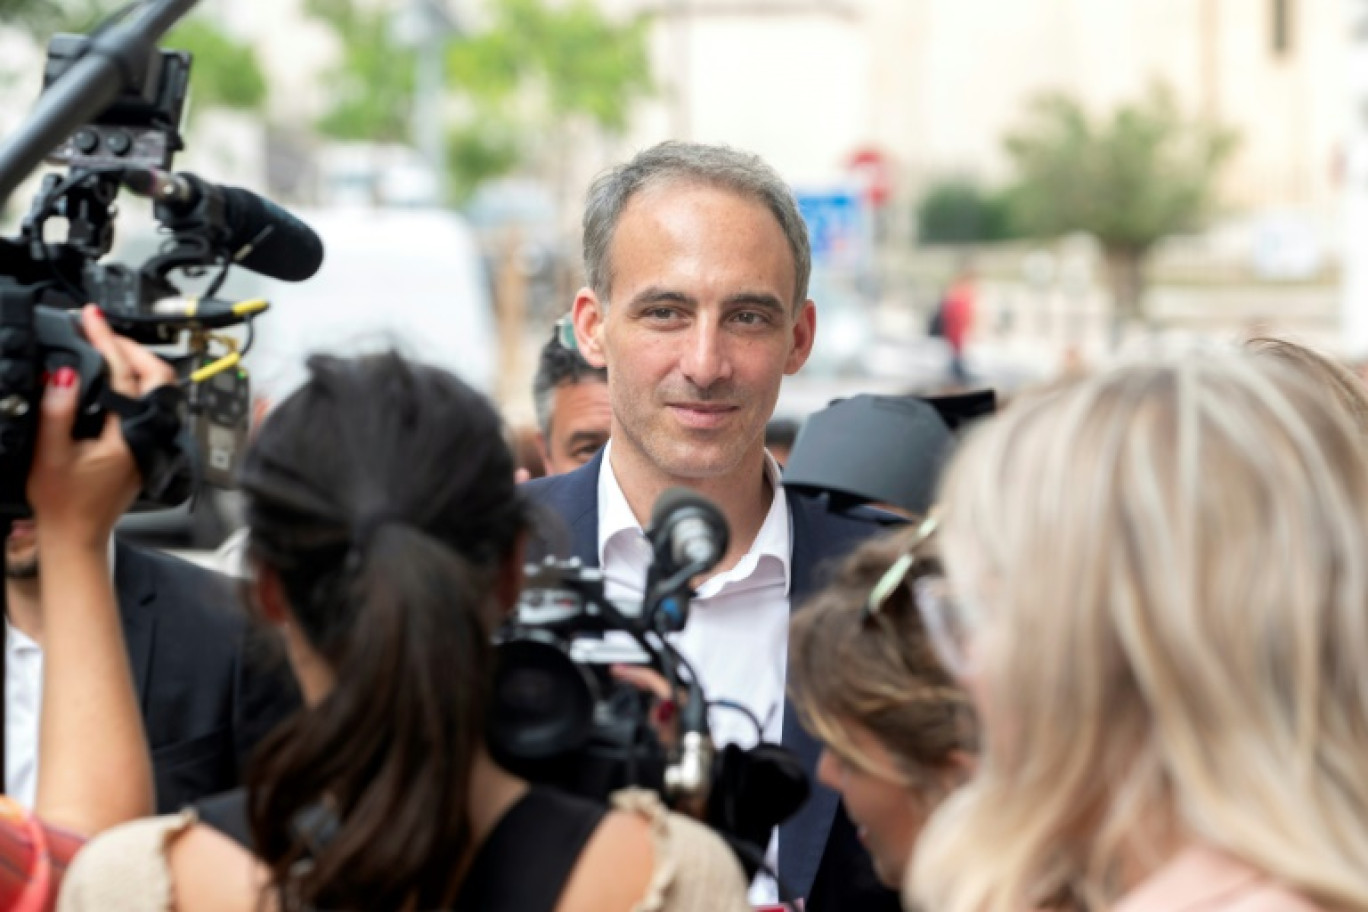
697	263
209	688
820	856
210	684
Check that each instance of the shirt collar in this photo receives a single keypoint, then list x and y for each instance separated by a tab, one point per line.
615	516
19	642
774	539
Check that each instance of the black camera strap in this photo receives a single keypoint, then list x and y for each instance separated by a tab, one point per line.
153	426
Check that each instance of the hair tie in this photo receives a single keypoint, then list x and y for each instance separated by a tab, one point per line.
365	527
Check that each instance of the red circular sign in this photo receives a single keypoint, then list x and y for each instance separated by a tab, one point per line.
874	172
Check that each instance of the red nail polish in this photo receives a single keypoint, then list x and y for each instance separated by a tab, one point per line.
665	712
64	377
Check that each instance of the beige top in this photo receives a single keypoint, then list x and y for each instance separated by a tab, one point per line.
125	869
1202	879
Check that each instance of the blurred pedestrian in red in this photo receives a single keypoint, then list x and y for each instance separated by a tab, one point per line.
957	320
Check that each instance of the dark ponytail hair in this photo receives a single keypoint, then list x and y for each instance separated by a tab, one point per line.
382	496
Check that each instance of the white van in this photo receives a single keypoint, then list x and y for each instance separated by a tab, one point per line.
407	279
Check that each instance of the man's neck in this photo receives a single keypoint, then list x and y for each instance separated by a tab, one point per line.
24	608
744	495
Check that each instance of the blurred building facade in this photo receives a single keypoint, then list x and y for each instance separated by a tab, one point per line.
935	84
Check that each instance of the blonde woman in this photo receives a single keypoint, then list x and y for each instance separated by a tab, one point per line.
1337	381
1158	596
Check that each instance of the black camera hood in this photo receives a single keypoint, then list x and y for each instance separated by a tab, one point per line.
881	449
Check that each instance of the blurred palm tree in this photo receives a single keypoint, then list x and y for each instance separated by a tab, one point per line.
1131	178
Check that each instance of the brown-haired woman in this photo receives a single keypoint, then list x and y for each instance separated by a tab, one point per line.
899	734
387	541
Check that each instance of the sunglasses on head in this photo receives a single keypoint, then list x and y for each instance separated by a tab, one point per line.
897	573
939	612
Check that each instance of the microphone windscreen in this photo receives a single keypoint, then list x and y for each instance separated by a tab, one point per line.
289	251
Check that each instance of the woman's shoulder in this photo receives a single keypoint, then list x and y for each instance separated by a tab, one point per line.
160	863
1205	877
687	866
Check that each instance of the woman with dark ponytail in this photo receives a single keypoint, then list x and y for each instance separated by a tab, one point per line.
386	535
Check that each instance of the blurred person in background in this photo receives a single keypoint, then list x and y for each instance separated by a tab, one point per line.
93	770
1346	388
898	733
953	320
387	538
571	399
1155	592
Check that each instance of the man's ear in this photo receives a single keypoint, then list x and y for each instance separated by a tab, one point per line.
804	335
588	315
269	594
544	446
508	584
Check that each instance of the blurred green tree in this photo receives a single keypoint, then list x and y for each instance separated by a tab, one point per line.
531	71
477	152
226	71
540	69
579	62
1132	178
960	211
42	18
372	84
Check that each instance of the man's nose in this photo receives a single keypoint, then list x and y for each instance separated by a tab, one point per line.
705	359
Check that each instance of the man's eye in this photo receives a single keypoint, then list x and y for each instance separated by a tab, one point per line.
661	313
750	318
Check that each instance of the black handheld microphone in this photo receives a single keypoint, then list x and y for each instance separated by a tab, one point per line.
687	530
263	237
689	536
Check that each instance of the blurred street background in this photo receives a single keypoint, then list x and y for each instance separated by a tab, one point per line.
1119	177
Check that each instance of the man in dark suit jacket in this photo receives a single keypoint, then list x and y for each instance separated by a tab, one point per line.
208	688
210	685
820	856
705	260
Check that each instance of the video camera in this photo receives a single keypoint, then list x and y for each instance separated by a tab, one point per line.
559	718
110	112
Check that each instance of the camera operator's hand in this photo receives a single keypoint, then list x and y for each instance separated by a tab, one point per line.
664	711
80	488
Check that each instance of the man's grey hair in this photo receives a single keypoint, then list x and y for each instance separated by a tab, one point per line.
559	366
722	167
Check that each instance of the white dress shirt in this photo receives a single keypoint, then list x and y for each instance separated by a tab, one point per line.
23	707
23	701
737	634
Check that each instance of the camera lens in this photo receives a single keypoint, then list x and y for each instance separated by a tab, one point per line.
543	702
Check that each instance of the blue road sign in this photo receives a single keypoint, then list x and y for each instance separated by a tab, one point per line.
838	225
